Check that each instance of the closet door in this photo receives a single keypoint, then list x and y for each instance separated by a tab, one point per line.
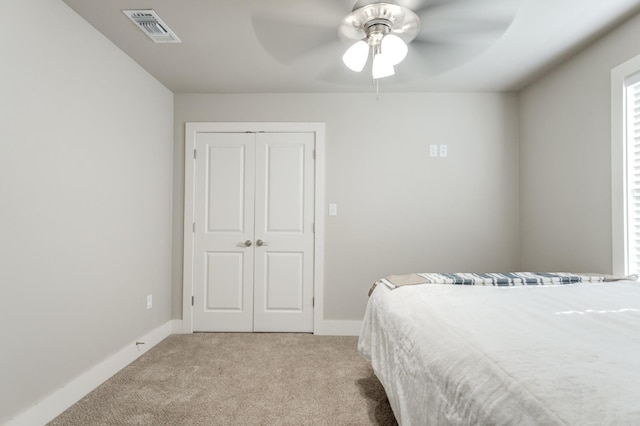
224	232
253	266
284	236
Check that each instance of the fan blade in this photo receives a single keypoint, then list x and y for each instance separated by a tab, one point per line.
312	12
288	42
453	32
290	28
463	31
467	12
315	62
426	59
478	9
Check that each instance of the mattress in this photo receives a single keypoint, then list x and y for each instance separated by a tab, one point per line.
526	355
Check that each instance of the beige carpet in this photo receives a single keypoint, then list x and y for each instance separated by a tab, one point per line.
240	379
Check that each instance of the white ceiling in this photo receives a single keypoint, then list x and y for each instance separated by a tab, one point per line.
221	51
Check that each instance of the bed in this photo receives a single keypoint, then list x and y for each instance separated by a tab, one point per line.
506	354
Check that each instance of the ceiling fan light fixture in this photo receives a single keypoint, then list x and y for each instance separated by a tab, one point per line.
355	58
381	67
385	29
394	49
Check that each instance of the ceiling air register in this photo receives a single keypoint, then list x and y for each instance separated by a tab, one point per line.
151	24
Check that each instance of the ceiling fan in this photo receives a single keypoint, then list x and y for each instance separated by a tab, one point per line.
333	40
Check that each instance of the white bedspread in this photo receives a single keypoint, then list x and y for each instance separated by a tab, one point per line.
531	355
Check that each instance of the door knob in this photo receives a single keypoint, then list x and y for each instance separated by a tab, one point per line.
247	243
259	243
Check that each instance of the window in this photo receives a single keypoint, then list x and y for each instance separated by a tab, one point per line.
625	167
632	129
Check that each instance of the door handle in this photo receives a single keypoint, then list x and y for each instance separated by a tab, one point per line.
259	243
247	243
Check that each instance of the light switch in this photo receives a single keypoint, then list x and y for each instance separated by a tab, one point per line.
333	210
433	150
443	150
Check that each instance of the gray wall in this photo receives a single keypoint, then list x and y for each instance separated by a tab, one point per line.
565	153
85	192
399	210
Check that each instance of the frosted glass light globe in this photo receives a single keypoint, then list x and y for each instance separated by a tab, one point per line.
356	56
394	49
381	67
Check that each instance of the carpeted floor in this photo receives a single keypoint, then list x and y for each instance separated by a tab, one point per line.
240	379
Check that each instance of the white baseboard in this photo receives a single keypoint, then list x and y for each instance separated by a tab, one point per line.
52	406
338	328
176	327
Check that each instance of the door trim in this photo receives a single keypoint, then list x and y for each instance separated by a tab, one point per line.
191	130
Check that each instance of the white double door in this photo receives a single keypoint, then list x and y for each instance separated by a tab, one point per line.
253	232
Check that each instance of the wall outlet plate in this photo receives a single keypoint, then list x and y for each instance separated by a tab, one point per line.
149	301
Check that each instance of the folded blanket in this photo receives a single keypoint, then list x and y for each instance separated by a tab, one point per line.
510	278
496	279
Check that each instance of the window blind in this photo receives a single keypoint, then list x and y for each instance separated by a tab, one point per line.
633	172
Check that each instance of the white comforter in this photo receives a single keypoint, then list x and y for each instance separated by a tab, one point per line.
524	355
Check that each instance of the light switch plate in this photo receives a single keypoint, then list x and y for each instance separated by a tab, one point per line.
333	210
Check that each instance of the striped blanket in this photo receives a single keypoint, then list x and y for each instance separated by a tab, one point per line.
496	279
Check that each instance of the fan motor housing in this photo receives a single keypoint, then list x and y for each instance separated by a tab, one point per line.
381	18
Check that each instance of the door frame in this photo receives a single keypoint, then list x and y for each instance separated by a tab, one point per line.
191	131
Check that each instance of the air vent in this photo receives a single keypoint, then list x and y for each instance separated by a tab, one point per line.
151	24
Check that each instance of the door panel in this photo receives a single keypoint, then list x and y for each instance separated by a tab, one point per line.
224	208
224	279
225	181
283	297
284	181
283	281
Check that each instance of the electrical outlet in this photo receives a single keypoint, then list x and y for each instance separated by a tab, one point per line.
433	150
443	150
149	301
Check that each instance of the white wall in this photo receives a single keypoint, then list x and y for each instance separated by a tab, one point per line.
85	200
399	211
565	152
